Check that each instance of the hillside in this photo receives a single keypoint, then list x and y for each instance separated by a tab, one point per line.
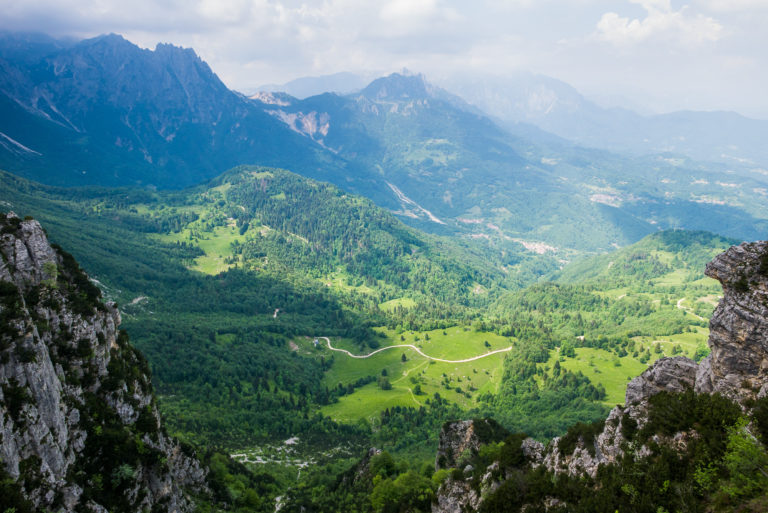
560	352
331	264
239	277
611	316
558	108
690	437
226	276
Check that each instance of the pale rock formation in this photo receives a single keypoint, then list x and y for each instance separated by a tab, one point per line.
54	363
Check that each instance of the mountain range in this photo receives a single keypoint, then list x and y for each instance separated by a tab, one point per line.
103	111
557	107
520	101
449	165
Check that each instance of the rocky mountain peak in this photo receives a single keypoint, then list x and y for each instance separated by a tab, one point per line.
27	256
667	374
398	87
78	423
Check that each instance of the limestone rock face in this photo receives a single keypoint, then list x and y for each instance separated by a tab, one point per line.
459	441
456	496
455	438
666	374
67	378
737	366
533	450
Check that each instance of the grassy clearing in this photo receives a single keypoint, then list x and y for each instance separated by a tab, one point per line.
221	188
215	244
600	367
446	379
341	281
472	378
439	151
677	277
614	372
403	302
367	402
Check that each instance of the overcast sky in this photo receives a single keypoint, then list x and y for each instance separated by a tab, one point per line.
661	54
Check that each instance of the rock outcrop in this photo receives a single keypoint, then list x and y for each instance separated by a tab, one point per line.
737	368
456	438
666	374
461	439
78	424
459	443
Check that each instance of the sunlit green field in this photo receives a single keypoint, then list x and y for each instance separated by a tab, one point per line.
417	378
390	305
614	372
601	366
216	245
432	377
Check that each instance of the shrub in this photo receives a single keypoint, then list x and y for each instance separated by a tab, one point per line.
580	431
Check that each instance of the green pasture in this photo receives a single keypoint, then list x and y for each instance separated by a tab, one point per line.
613	372
472	378
216	244
404	302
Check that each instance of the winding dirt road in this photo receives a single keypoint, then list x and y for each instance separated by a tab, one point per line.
687	309
328	341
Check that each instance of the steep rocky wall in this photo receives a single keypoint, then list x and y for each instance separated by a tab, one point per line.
737	366
79	429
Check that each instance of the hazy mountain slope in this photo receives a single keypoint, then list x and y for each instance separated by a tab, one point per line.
447	167
104	111
682	250
304	87
560	109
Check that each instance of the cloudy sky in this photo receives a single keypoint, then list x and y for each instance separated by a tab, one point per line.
661	54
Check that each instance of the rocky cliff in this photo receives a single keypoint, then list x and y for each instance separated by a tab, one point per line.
737	366
736	370
79	429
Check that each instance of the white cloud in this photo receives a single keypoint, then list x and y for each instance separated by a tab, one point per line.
661	22
225	11
408	10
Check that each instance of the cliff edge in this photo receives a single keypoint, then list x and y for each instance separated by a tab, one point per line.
79	429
